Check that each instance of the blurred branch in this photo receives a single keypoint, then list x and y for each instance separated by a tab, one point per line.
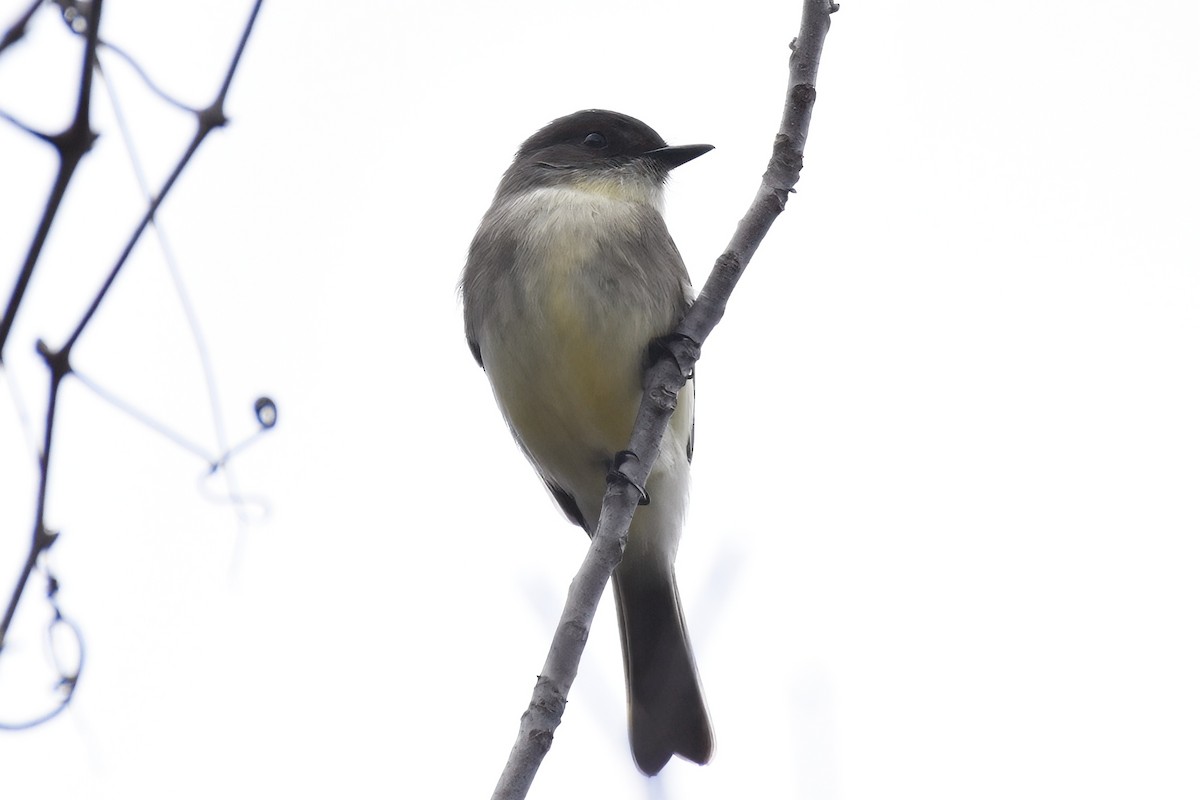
16	31
72	144
146	79
665	377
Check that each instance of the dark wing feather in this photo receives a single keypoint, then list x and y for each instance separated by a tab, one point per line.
568	505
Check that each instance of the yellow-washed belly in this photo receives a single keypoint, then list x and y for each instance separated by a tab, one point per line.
568	377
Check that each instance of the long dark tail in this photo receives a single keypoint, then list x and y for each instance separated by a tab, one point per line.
667	713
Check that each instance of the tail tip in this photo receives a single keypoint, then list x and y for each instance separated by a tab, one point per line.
653	745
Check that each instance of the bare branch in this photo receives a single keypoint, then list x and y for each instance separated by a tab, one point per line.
665	377
16	31
72	144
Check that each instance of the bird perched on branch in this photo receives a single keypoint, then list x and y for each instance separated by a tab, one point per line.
570	277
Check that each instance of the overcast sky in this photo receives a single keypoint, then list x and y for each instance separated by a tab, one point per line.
945	520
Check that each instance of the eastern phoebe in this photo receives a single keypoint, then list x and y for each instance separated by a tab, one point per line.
571	275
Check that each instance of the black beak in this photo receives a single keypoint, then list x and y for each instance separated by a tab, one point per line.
672	157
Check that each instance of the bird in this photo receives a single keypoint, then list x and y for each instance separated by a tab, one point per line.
570	277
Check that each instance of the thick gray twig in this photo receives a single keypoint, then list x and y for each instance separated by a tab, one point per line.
663	380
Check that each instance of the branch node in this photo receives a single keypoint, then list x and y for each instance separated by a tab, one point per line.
664	398
212	117
44	539
59	361
804	94
74	142
549	698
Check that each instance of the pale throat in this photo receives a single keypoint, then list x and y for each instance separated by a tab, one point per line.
622	187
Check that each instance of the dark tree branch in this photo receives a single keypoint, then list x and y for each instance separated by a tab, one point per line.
16	31
664	378
72	145
207	120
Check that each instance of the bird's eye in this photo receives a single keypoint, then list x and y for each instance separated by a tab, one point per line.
595	140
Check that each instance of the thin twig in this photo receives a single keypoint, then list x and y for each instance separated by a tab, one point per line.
142	417
58	361
176	274
664	379
16	31
72	144
150	84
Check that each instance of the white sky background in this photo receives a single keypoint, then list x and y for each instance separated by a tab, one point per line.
945	527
